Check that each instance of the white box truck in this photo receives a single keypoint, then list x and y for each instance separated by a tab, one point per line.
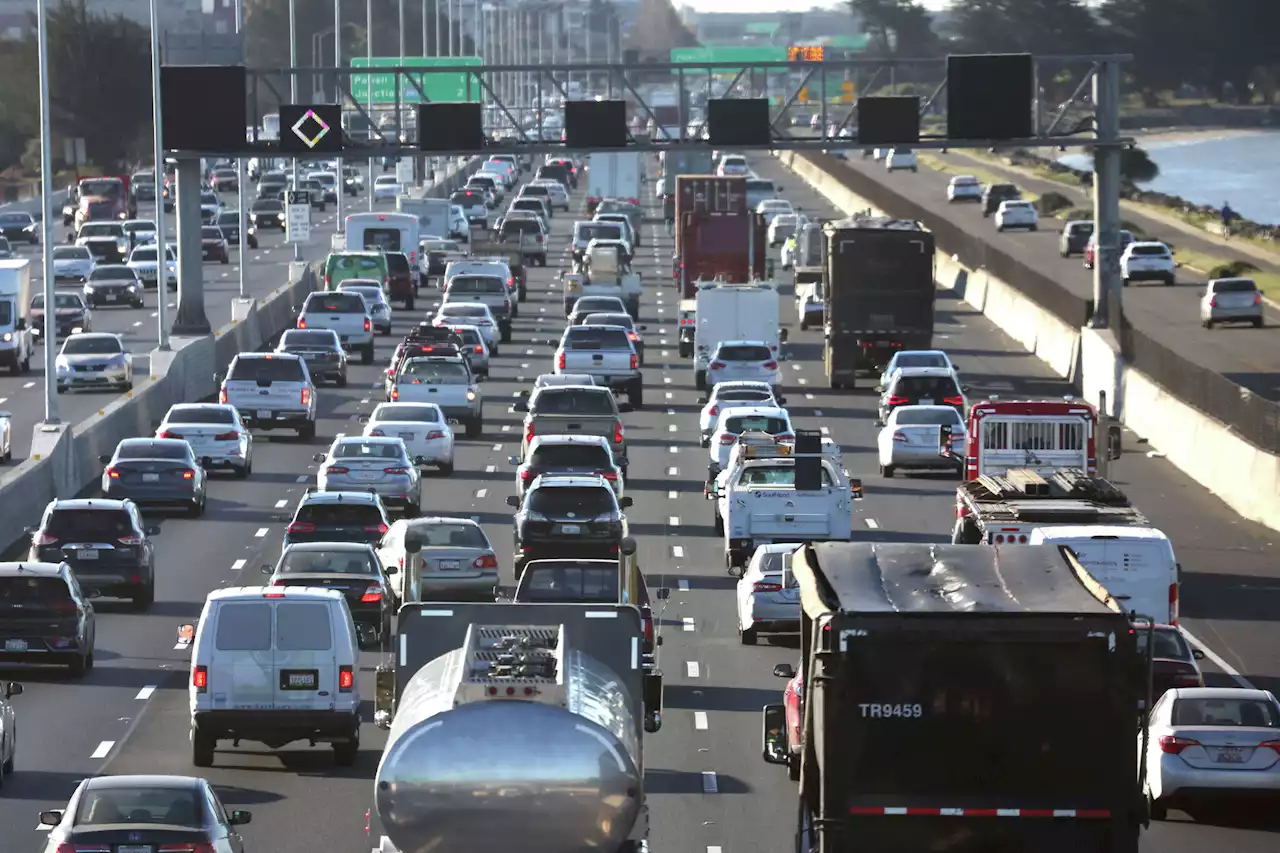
16	339
432	213
613	174
733	312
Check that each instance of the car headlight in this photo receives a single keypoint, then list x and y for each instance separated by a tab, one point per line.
471	396
60	364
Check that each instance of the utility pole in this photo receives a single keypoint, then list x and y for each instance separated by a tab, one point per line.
157	146
1106	196
293	97
242	182
402	32
337	84
449	23
368	46
50	331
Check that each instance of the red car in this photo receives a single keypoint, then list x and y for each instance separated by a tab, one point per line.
1091	248
793	701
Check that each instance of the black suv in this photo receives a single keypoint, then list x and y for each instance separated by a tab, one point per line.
45	617
338	517
104	542
568	517
996	193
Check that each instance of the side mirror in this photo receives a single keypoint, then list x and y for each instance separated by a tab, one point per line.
104	458
20	324
642	328
625	408
1115	437
773	736
421	461
878	422
481	378
965	388
392	569
625	502
521	405
1195	653
13	688
239	817
663	593
784	670
186	635
628	545
702	401
51	818
317	457
880	388
152	530
267	568
513	501
364	419
217	379
782	401
955	368
783	335
1202	293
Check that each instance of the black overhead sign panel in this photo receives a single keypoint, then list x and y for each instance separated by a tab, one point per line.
888	121
592	125
203	108
989	96
447	127
310	129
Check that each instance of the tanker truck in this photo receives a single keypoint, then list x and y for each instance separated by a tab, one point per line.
503	726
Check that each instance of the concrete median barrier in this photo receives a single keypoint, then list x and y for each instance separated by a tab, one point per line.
1245	477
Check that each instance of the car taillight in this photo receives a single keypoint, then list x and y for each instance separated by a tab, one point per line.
346	679
611	476
511	282
367	324
632	336
560	361
277	582
376	433
1213	303
301	527
1270	744
226	436
771	365
371	594
479	349
766	586
528	432
783	436
953	401
43	539
302	322
200	678
337	469
169	434
113	473
435	433
305	396
131	541
646	624
1257	299
222	395
617	432
188	474
717	365
895	400
527	475
899	436
1174	745
395	470
634	361
395	393
728	438
376	528
486	561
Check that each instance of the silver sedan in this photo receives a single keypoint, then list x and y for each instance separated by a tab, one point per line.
768	594
372	464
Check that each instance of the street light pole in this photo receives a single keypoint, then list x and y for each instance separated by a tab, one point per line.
424	27
402	32
368	45
157	145
242	184
337	85
50	331
293	97
451	18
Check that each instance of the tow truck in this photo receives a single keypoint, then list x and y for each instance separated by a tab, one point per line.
1042	435
1003	509
602	272
491	707
782	492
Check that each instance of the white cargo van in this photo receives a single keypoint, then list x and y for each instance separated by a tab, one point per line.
1136	564
386	232
274	665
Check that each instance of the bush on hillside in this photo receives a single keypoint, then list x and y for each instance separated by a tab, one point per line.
1051	202
1234	269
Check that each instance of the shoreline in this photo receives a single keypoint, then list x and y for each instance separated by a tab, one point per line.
1175	135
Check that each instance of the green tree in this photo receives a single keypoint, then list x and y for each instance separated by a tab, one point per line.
1035	26
897	27
1166	37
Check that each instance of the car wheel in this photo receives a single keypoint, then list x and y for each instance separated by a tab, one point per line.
202	748
793	768
718	524
1257	322
226	259
143	597
1170	281
747	636
308	432
366	354
196	509
887	471
242	472
446	468
78	666
475	427
1156	809
341	381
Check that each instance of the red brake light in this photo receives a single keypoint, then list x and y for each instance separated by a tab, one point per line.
611	476
766	586
395	394
395	470
367	325
200	678
617	432
899	436
169	434
376	432
771	365
1270	744
1213	302
337	469
783	436
634	361
302	322
479	349
435	433
560	361
372	594
717	365
713	411
131	541
1174	745
527	475
43	539
113	473
953	401
301	527
377	528
226	436
306	396
222	395
632	336
188	475
487	561
895	400
346	679
646	621
728	438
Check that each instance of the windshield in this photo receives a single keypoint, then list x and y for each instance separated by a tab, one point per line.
571	501
743	352
574	401
1226	712
927	417
1168	645
406	413
623	320
15	219
368	450
567	582
149	254
371	294
335	303
776	476
464	311
445	534
585	232
71	253
173	806
145	449
340	515
1235	286
310	339
420	371
100	229
343	562
201	415
267	205
596	338
359	263
467	198
743	395
756	423
266	370
60	301
105	188
91	525
208	197
92	345
386	239
441	246
145	225
521	226
936	388
591	456
211	232
477	284
920	359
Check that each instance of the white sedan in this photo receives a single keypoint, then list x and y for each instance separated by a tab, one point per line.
912	438
216	433
386	187
559	196
421	426
901	160
774	420
6	437
729	395
773	207
964	188
768	593
1017	214
1211	742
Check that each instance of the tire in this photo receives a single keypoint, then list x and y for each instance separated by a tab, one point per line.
747	636
793	768
341	381
1257	323
1000	228
366	354
308	432
1125	282
446	469
243	472
1034	228
141	602
475	427
1156	809
202	748
226	259
506	335
408	305
78	666
804	324
1170	281
635	394
700	380
9	764
718	524
196	509
345	753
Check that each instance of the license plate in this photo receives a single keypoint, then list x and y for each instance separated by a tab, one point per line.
1231	755
264	414
406	436
343	338
450	564
113	297
15	645
452	421
570	528
150	478
87	553
298	680
135	848
926	402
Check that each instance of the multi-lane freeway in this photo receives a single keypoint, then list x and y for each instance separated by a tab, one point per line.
1249	357
708	787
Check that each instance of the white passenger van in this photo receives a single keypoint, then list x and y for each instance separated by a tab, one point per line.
385	232
274	665
1136	564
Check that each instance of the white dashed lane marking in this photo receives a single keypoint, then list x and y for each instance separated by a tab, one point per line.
677	551
103	750
873	524
145	693
238	565
688	624
683	586
282	503
700	723
262	531
691	669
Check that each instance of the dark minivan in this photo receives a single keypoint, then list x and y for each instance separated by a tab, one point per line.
996	193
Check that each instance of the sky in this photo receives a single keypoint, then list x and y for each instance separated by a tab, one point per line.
774	5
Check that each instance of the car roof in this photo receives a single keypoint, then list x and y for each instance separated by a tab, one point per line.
1103	531
103	335
20	568
919	408
272	355
907	372
748	411
1220	693
594	440
367	439
424	520
186	407
257	593
442	359
328	546
741	344
88	503
563	481
1137	244
341	497
942	353
143	780
162	442
741	385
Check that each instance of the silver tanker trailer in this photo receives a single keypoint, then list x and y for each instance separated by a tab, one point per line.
514	727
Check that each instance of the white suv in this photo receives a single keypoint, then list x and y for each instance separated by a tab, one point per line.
737	361
1148	261
1016	214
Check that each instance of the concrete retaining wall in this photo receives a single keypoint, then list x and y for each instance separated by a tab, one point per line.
1246	478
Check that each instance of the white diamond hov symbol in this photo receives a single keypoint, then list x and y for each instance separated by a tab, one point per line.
310	141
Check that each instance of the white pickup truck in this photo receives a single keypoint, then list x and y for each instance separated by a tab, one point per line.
606	354
603	272
758	502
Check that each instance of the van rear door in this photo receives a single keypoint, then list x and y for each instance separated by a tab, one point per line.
1141	573
305	674
241	664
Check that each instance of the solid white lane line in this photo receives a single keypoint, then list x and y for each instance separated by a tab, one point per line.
238	565
710	785
673	428
700	723
817	412
29	385
688	623
282	503
145	693
489	469
668	393
808	396
691	669
675	449
684	586
1217	660
873	524
262	531
497	447
103	750
673	472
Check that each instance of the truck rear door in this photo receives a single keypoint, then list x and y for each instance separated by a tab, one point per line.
305	664
266	384
598	352
1043	443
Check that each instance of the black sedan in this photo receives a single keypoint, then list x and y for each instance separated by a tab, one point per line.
229	222
144	813
161	472
213	245
351	567
268	213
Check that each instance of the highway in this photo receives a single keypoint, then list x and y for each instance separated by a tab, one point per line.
708	788
268	268
1170	315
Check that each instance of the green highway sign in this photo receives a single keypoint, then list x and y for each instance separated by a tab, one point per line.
745	54
439	87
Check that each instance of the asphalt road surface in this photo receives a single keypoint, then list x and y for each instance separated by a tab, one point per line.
708	788
1170	315
267	269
